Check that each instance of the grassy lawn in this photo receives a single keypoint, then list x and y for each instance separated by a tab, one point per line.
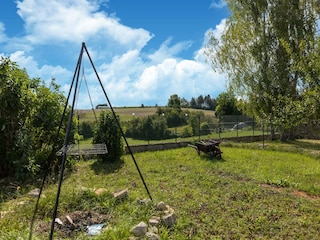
252	193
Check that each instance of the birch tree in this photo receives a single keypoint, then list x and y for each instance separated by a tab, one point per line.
256	51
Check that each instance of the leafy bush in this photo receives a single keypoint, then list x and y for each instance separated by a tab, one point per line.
86	129
30	114
107	131
149	128
186	131
205	128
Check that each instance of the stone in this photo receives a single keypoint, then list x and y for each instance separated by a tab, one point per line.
161	206
152	236
139	230
57	220
153	229
121	194
145	201
34	193
169	210
100	191
169	219
154	221
70	220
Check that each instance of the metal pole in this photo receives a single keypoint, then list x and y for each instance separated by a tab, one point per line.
66	141
262	135
175	132
118	123
199	126
253	125
148	126
219	130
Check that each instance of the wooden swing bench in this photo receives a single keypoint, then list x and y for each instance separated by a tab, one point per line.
83	149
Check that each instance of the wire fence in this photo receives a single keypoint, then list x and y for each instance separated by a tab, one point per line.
226	127
234	126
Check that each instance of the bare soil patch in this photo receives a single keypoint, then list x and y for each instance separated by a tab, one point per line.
80	220
294	192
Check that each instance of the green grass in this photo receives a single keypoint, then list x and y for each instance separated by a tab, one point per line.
252	193
126	113
225	135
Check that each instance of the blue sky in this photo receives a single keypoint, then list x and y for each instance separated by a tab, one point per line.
144	50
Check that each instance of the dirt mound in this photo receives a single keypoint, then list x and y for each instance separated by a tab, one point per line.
73	223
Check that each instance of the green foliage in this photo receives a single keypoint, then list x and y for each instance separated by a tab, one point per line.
155	126
86	129
205	128
194	120
174	102
226	105
107	131
269	51
186	131
29	118
148	128
200	102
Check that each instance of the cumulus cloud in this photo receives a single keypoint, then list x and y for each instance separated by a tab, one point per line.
219	29
187	78
218	4
74	22
3	37
167	51
216	33
46	72
130	76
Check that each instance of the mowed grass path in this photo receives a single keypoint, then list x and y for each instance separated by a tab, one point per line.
249	194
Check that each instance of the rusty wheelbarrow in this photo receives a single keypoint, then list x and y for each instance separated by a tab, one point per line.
210	147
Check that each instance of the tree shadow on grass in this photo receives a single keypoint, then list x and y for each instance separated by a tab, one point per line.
305	144
102	167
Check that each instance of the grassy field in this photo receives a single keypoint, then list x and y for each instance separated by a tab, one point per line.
252	193
127	113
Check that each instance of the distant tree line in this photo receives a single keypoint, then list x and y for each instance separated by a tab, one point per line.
157	125
175	114
201	102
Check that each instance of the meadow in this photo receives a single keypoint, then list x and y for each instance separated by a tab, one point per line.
251	193
127	113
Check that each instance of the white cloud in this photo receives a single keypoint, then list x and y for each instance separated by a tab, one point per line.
3	36
167	51
130	76
218	4
74	22
220	28
187	78
45	72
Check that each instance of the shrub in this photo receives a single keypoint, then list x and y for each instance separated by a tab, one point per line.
86	129
205	128
107	131
186	131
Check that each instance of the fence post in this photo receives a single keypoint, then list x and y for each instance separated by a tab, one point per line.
219	130
262	135
237	125
199	126
253	124
148	130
